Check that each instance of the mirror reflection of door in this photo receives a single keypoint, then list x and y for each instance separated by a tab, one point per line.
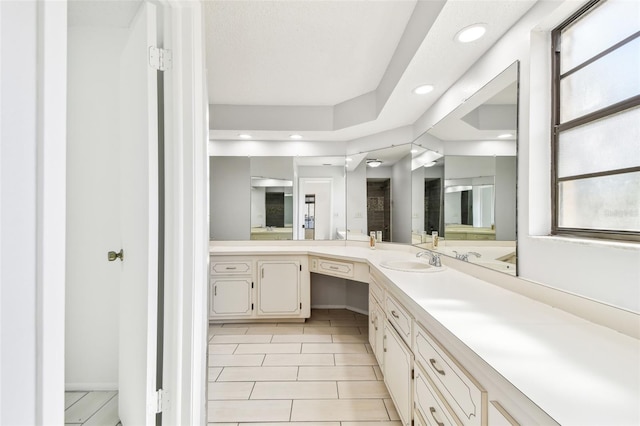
432	205
309	216
379	207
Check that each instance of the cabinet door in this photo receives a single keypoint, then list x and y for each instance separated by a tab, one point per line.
398	362
230	297
378	327
373	314
279	288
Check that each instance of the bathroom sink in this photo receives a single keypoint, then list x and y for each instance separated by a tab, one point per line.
410	266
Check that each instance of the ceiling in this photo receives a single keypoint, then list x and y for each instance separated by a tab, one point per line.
337	70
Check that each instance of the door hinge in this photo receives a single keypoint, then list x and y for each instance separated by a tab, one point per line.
413	373
159	395
300	268
252	306
251	284
160	59
412	423
300	305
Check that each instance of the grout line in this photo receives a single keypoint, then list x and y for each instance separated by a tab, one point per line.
252	388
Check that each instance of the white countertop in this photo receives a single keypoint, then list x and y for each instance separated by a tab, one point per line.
578	372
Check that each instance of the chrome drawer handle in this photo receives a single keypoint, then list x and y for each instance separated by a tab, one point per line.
433	364
433	412
395	314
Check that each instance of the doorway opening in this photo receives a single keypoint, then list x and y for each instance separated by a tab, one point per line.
433	205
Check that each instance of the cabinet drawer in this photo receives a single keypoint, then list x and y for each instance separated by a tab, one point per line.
333	267
400	318
430	408
231	267
376	289
462	392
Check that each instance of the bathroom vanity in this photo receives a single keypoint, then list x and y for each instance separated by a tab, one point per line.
454	349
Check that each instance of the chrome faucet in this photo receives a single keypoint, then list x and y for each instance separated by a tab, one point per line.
434	258
465	256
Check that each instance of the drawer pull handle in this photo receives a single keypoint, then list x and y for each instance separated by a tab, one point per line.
395	314
433	414
335	268
433	364
231	268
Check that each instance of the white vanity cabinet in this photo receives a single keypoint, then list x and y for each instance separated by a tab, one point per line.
377	320
254	288
279	290
398	366
231	288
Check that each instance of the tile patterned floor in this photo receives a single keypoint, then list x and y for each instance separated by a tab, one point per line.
321	373
96	408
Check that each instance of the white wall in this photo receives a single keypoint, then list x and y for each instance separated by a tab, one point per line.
93	208
338	195
230	198
563	263
258	207
401	201
357	199
505	188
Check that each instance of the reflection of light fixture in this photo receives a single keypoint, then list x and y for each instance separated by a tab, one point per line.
373	163
413	151
423	90
296	137
505	136
431	164
348	159
471	33
244	136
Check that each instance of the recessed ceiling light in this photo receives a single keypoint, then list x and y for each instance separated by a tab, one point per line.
423	90
471	33
244	136
413	151
505	135
373	163
296	137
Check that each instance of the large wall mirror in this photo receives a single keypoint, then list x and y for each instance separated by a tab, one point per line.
277	198
464	178
379	194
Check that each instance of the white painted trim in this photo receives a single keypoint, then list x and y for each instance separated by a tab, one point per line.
51	230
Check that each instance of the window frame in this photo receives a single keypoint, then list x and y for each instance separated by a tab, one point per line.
557	127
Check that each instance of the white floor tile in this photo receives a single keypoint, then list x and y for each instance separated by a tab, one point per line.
362	390
213	373
229	390
240	339
251	324
220	360
333	348
71	398
225	331
258	374
248	411
338	410
275	330
269	348
378	372
389	423
294	424
349	323
317	323
82	410
302	338
106	416
355	359
391	409
295	390
350	338
222	348
336	373
331	330
298	359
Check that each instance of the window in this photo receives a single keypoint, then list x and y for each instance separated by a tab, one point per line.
596	122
